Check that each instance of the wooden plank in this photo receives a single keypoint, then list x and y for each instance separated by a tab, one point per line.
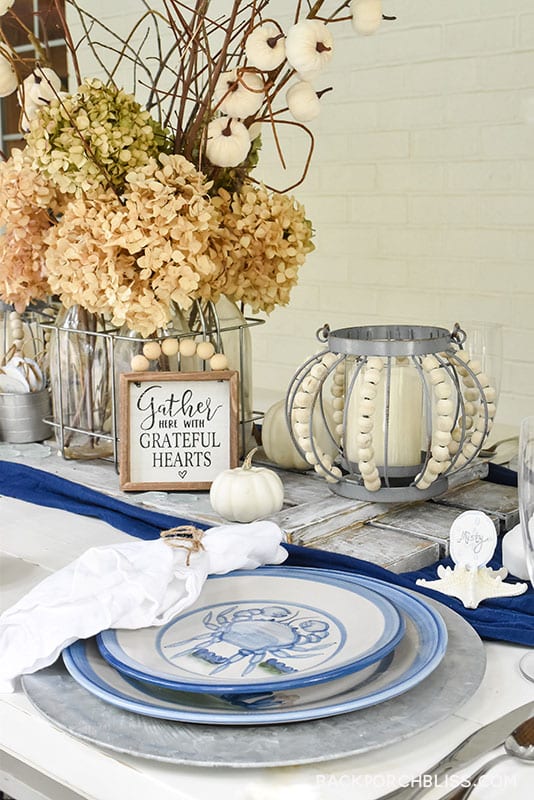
491	498
399	552
429	521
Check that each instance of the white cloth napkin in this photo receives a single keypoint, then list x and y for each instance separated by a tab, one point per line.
132	585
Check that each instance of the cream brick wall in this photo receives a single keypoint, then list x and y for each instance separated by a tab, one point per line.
421	189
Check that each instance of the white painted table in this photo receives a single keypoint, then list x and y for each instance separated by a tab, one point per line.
39	761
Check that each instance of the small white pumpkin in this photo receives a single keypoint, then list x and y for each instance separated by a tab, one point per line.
303	102
240	94
227	142
265	47
278	444
309	47
366	15
246	493
276	439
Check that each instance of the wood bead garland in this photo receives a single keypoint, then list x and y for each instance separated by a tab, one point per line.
440	459
303	404
186	348
372	375
478	416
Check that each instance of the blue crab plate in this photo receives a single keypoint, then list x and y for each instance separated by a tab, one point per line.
261	630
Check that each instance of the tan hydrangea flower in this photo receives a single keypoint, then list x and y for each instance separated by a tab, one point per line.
134	258
264	238
92	138
25	199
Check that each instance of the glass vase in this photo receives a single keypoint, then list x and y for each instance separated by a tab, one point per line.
81	384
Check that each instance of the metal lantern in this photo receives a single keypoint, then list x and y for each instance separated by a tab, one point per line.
405	406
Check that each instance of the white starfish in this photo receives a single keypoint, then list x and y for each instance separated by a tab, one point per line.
472	586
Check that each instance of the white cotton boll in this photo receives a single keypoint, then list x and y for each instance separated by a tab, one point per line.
227	142
309	46
303	102
366	15
8	76
239	96
265	47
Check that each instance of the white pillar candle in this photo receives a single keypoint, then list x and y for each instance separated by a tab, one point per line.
405	421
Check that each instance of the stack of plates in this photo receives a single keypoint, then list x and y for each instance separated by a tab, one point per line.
272	645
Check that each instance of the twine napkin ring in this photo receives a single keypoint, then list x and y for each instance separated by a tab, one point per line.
184	537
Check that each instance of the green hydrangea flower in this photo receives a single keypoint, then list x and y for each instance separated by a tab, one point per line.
93	138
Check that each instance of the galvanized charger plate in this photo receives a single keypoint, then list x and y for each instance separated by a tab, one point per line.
70	707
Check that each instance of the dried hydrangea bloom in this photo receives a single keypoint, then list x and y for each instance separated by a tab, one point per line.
133	259
264	238
22	265
24	202
92	138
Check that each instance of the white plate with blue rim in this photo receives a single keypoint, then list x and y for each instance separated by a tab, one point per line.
261	630
416	656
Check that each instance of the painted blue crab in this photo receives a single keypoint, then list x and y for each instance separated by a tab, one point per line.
261	635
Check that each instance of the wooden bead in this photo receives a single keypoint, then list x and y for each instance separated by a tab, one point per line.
205	350
444	407
364	439
366	454
311	458
335	475
365	424
329	359
373	486
140	363
188	347
375	363
152	350
337	391
483	380
319	371
367	407
437	376
442	437
373	376
368	392
490	394
444	423
453	447
442	391
475	366
477	438
170	347
337	416
310	384
218	361
471	394
430	363
366	468
440	452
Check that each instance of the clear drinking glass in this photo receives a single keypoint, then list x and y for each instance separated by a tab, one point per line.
525	484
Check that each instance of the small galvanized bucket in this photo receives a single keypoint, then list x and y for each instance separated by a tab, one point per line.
21	417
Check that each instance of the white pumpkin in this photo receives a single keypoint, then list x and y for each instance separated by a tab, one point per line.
366	15
309	47
303	102
265	47
278	444
227	142
246	493
239	96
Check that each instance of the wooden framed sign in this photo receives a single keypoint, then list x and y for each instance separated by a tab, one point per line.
178	430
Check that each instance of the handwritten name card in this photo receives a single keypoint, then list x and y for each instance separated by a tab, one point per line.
178	430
